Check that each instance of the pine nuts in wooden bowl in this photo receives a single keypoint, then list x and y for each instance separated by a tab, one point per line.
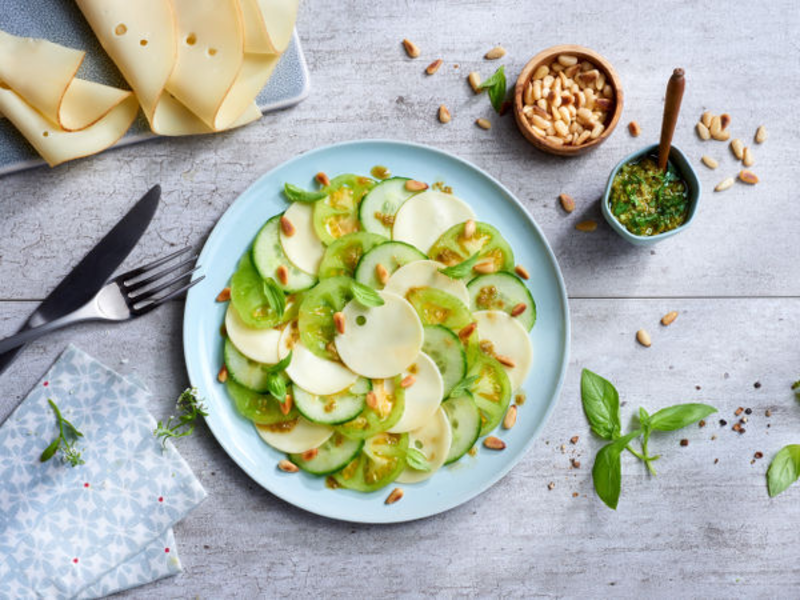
567	100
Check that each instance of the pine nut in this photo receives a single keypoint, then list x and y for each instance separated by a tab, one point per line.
224	295
322	179
724	185
643	338
567	60
469	229
518	309
506	361
522	272
407	382
710	162
283	274
511	417
761	135
397	494
338	321
554	140
634	128
724	121
381	273
286	405
748	177
467	331
706	119
444	114
495	53
483	123
541	72
413	185
474	81
494	443
567	203
587	226
434	66
561	128
597	130
703	132
372	400
287	227
737	147
310	454
748	159
411	48
288	466
716	126
222	376
668	318
539	121
485	267
528	96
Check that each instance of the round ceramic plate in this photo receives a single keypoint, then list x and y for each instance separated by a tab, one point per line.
451	485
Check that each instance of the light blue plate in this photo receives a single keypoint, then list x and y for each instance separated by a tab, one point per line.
62	22
493	203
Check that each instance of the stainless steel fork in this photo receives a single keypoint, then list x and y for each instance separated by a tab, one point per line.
125	297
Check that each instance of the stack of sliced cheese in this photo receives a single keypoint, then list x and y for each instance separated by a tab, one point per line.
195	66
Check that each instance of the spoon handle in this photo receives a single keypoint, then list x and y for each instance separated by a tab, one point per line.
672	106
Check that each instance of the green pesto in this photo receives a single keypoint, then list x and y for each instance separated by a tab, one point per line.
647	201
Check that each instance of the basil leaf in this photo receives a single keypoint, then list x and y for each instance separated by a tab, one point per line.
607	470
784	469
679	416
462	269
51	450
295	193
496	87
601	405
416	460
644	419
275	296
276	385
278	366
365	295
462	388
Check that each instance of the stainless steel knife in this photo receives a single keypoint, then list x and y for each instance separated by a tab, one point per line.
86	279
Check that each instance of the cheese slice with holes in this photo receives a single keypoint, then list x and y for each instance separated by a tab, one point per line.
423	397
433	440
425	273
305	435
304	248
260	345
312	373
508	338
425	217
380	341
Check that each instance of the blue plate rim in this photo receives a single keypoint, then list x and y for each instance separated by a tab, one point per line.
194	377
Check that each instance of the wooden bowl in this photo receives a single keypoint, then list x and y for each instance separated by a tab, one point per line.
546	57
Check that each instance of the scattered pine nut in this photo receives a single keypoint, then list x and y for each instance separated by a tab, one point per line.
576	464
684	442
518	309
494	443
567	202
413	185
551	485
588	226
287	226
322	179
338	320
286	405
485	267
310	454
724	120
222	376
574	439
722	136
434	66
396	495
748	160
411	48
372	400
407	382
506	361
511	417
737	147
468	330
522	272
748	177
668	318
710	162
634	128
474	81
483	123
724	185
761	135
469	229
382	273
738	411
707	117
224	295
643	338
444	114
283	274
288	466
703	132
495	53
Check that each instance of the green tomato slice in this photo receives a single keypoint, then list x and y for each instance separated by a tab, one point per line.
315	317
453	248
336	215
248	297
261	409
491	391
389	407
436	307
343	255
379	463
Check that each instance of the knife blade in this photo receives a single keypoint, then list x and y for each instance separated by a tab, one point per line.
92	272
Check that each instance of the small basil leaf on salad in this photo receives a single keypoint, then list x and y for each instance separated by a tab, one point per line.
365	295
275	297
607	470
601	404
295	193
495	87
416	460
462	388
276	385
462	269
784	469
679	416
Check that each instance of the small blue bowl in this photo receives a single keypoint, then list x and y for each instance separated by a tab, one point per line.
688	174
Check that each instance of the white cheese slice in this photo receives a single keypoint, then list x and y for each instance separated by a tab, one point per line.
425	217
433	440
303	436
425	273
260	345
268	24
509	338
423	397
304	248
312	373
381	341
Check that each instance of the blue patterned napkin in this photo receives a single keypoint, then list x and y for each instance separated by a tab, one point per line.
100	527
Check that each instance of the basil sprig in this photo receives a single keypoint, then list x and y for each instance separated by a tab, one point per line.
365	295
190	407
295	193
600	401
496	88
784	469
462	269
275	297
276	382
416	460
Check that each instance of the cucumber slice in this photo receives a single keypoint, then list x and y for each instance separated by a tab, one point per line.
392	255
331	456
502	291
452	248
343	255
337	214
465	426
268	255
336	408
379	463
244	371
444	347
390	403
380	205
261	409
248	298
436	307
491	391
315	318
